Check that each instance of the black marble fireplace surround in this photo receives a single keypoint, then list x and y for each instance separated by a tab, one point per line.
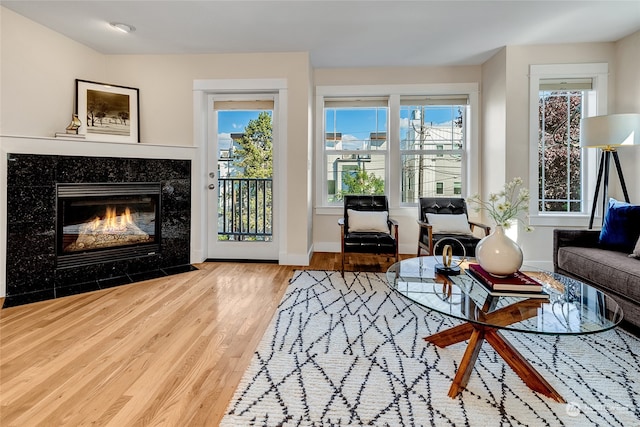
32	274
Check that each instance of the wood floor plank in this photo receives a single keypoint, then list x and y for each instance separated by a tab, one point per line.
168	351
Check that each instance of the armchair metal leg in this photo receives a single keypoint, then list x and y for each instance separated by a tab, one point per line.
422	249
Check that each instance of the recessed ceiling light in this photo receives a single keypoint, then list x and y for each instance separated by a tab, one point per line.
125	28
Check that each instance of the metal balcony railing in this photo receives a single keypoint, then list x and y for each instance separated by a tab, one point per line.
245	209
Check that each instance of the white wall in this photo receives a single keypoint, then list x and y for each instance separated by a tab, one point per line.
494	125
38	69
627	100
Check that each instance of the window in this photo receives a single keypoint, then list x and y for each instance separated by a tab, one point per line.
559	114
355	146
433	134
563	95
405	141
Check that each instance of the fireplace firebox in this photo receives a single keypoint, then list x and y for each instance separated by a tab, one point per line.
106	222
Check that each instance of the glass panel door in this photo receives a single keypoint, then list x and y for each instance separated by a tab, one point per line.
240	180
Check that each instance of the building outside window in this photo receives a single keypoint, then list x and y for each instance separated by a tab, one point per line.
433	135
355	147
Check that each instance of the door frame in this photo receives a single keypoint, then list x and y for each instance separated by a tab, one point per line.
203	93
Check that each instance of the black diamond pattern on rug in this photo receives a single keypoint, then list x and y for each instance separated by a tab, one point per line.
349	352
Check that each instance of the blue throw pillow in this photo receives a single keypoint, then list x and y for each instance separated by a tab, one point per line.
621	226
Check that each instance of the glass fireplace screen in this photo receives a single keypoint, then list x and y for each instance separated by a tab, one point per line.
95	217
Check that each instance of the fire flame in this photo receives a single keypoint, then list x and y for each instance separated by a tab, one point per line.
112	223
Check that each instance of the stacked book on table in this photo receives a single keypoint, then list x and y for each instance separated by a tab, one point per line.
517	284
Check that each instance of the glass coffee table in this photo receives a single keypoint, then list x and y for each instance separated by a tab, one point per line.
572	308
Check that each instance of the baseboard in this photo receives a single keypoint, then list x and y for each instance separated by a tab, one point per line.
197	256
295	259
326	247
242	260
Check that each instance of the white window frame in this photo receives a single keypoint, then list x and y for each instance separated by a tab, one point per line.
599	73
471	162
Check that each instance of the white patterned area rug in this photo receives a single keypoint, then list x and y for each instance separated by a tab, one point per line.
350	352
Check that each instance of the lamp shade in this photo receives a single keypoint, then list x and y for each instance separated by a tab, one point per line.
610	131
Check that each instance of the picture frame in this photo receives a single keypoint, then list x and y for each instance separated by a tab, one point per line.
108	112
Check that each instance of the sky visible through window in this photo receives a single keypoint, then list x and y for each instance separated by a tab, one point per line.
356	125
353	124
233	121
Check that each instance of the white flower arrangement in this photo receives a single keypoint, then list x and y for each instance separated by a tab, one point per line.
505	206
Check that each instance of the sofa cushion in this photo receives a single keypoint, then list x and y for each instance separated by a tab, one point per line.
621	227
609	270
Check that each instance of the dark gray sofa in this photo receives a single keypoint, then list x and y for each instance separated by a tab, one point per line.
576	254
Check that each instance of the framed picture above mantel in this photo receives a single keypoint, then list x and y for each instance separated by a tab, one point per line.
108	112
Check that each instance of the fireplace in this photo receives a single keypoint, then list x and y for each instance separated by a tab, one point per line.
52	198
106	222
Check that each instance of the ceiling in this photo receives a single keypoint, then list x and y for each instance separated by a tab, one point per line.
336	33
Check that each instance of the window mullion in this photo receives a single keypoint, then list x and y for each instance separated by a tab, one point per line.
394	159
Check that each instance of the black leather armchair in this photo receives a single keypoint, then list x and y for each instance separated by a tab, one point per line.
446	206
379	240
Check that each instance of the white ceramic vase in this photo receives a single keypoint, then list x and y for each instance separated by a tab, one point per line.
498	254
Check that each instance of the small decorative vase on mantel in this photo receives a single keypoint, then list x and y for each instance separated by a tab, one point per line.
75	124
498	254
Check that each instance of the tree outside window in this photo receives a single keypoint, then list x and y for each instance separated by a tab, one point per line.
560	172
246	195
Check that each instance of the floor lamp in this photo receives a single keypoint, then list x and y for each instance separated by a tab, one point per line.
608	133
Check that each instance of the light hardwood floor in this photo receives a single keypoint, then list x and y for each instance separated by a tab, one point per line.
168	351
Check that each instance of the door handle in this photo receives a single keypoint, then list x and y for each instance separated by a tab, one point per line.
212	186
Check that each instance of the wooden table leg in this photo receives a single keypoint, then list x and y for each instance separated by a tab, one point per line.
521	366
503	317
477	334
451	336
468	362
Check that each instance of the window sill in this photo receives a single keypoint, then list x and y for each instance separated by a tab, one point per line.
572	220
329	210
